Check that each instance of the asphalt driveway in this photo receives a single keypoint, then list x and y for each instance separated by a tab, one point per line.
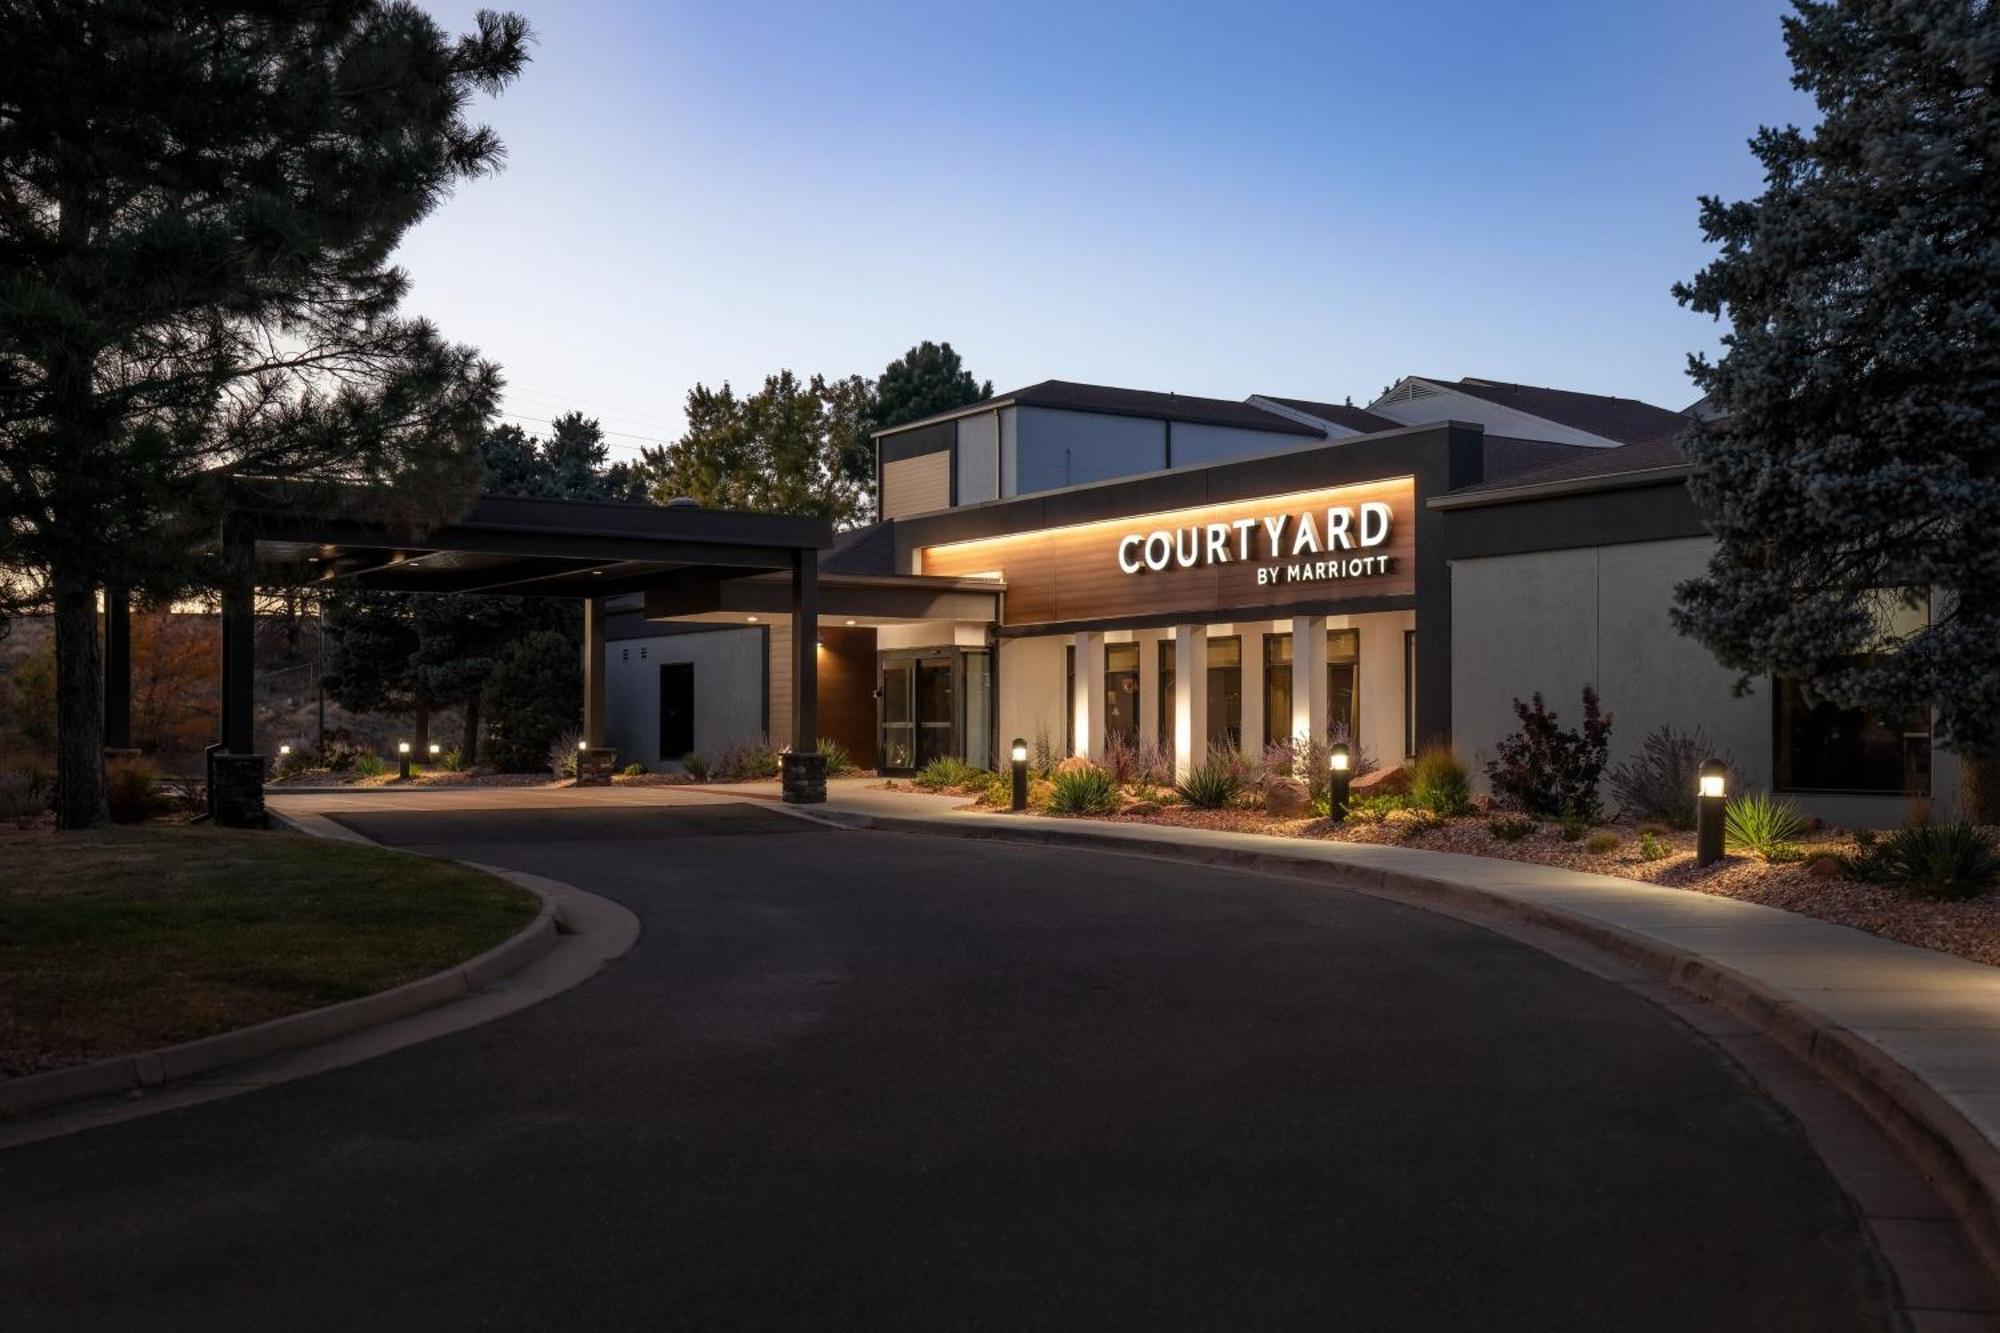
863	1080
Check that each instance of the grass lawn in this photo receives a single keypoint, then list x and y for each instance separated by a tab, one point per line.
124	939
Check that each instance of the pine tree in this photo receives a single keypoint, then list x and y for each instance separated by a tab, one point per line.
1858	461
198	205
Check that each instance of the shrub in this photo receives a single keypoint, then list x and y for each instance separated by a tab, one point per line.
1755	822
635	770
1864	838
1083	791
1046	758
998	791
22	799
1659	783
368	764
695	764
1439	782
1375	809
1511	828
453	761
132	791
532	698
562	754
1152	766
1653	848
1954	861
949	771
1573	828
1214	783
1547	770
185	793
1603	843
750	761
838	760
1414	821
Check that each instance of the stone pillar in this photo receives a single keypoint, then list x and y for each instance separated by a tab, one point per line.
236	790
1088	701
593	673
1309	698
1190	696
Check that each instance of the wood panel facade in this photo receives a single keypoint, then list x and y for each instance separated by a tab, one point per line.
1265	552
916	485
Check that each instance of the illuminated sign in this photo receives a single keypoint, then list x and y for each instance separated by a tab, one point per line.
1307	545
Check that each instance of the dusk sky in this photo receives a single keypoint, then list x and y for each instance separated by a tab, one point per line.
1308	200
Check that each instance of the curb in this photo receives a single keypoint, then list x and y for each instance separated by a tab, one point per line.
1959	1161
150	1069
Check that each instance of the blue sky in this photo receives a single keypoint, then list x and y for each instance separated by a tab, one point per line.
1307	200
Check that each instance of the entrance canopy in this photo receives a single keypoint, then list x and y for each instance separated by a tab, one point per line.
518	546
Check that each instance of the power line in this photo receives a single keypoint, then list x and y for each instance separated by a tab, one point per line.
594	406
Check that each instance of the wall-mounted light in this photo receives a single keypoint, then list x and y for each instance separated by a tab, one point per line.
850	622
751	619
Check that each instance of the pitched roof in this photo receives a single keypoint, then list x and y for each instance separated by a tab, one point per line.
1626	420
1340	414
1662	451
1071	396
869	550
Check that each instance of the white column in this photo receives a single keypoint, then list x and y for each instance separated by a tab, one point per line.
1149	689
1088	701
1190	696
1309	701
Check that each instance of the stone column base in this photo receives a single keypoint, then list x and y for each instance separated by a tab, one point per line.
595	766
804	777
236	790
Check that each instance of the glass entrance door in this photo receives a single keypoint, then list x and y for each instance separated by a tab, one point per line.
936	710
899	733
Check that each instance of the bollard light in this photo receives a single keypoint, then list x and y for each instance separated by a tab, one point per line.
1020	774
403	761
436	749
1341	765
581	746
284	752
1710	801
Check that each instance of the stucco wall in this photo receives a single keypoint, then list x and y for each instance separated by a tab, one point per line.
728	692
1556	620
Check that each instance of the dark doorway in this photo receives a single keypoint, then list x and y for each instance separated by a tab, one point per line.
676	710
937	710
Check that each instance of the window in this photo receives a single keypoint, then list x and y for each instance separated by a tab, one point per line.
1409	692
1121	692
1069	699
1824	747
1343	684
1277	689
979	708
1225	693
1343	694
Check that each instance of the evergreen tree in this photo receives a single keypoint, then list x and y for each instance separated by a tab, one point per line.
198	205
1858	460
774	451
927	379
